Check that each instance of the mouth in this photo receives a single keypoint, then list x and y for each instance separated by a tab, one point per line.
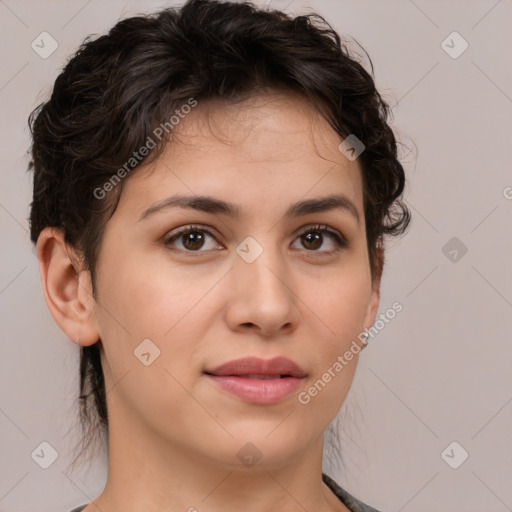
261	376
258	381
259	368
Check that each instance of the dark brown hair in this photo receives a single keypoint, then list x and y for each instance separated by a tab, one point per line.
118	88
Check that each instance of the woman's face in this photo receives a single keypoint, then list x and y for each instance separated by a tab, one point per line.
263	283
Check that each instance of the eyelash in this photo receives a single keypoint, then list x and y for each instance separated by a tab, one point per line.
339	239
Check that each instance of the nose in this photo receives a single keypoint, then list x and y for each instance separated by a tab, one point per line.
262	296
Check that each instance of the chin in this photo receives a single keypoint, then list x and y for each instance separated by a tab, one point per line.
254	448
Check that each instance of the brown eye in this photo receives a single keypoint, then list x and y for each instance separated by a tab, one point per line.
191	238
312	240
314	237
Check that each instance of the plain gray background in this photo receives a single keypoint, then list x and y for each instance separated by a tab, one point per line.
439	372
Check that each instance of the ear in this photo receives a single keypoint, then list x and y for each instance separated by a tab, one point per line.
66	287
373	305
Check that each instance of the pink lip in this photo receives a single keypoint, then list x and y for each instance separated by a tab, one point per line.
284	377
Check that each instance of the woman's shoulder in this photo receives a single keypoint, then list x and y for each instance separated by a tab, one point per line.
347	499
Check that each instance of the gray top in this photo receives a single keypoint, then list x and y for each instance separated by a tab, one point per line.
347	499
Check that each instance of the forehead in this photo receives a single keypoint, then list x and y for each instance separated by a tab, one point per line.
274	145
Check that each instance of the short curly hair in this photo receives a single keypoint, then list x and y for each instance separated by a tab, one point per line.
117	88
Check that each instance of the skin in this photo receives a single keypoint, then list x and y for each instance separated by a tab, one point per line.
173	434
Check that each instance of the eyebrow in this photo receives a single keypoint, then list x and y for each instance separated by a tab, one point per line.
209	204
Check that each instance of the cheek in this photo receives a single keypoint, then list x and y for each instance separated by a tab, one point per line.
341	302
160	303
148	300
341	305
140	303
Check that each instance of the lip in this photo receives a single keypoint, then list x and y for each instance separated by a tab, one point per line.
259	381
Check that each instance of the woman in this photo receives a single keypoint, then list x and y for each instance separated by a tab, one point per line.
212	190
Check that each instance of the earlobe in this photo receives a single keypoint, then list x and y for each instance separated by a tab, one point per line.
66	288
373	305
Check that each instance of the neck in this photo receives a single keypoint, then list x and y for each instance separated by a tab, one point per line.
146	472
